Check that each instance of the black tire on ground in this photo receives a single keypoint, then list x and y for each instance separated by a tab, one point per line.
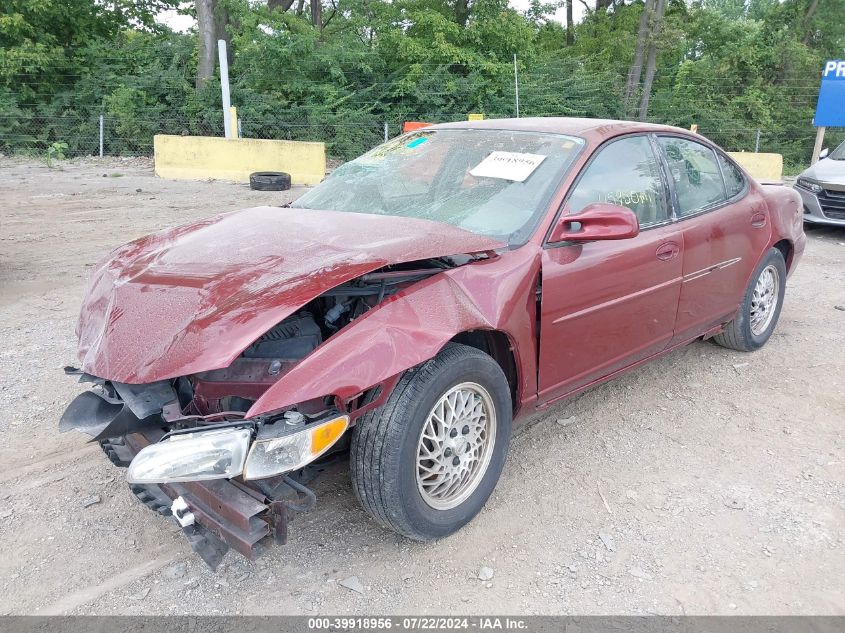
383	455
269	181
738	334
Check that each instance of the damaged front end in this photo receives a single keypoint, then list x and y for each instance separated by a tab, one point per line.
195	474
196	451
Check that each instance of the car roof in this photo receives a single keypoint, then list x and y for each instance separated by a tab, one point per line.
595	130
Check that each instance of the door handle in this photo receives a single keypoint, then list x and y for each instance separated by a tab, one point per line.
758	220
667	250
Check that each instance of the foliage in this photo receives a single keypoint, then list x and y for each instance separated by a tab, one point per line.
730	66
56	151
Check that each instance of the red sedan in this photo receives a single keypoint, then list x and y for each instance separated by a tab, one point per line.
408	308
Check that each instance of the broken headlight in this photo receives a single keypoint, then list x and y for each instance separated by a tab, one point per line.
291	451
213	454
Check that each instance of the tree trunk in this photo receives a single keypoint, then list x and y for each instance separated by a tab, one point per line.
570	38
284	5
808	20
300	6
462	12
636	69
651	62
207	40
317	14
221	21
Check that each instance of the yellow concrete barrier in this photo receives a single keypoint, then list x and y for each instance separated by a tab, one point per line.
201	157
764	167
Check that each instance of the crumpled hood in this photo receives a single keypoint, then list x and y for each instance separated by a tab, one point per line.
192	298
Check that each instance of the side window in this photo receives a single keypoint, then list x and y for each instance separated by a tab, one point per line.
698	181
734	179
626	173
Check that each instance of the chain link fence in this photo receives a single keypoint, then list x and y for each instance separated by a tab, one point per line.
94	135
345	135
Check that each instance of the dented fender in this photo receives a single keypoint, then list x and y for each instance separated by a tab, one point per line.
414	325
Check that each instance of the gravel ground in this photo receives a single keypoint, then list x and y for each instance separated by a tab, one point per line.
708	482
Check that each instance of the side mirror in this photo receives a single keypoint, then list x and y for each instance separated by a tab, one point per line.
824	153
597	221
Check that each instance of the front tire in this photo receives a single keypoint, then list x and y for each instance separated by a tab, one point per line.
425	463
760	310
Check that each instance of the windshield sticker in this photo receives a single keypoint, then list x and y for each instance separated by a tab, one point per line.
416	142
507	166
378	154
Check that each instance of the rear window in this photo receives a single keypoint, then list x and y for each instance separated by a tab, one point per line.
734	180
698	179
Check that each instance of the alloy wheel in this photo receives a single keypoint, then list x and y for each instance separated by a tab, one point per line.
455	445
764	301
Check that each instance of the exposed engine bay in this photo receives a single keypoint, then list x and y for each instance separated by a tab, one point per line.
235	388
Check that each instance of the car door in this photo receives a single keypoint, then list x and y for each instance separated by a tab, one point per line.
725	226
608	304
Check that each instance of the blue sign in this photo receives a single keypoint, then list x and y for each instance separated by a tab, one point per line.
830	111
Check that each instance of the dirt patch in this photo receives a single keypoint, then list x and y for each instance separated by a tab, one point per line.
707	482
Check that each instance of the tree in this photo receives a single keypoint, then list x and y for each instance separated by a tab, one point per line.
212	23
634	73
651	61
317	14
349	66
648	34
462	8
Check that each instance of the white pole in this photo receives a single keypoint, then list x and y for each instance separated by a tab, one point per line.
516	84
101	136
385	132
757	142
818	146
224	86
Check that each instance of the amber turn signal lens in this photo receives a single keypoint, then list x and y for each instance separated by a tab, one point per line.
323	436
291	451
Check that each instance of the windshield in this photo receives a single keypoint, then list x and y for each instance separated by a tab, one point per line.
839	152
492	182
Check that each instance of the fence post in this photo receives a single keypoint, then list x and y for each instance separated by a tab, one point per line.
757	142
233	122
516	84
224	87
385	131
101	135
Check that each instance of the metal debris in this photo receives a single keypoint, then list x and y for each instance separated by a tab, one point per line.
353	584
91	500
608	542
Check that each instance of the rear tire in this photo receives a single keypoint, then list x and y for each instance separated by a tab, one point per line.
760	309
425	463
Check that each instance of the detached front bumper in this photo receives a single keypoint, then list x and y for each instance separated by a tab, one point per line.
827	207
226	513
